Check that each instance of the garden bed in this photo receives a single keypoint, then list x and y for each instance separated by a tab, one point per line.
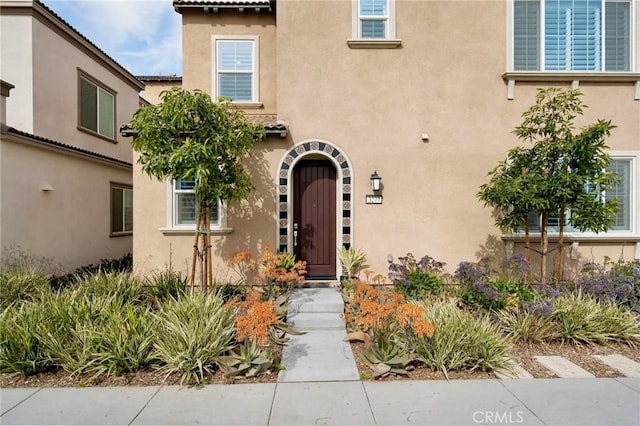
523	354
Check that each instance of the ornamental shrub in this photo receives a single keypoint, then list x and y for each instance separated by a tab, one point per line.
416	279
618	282
495	289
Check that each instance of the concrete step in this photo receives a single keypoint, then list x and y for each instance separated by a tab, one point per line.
626	366
308	321
318	356
563	367
316	300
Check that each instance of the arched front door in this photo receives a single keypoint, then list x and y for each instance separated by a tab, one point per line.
314	217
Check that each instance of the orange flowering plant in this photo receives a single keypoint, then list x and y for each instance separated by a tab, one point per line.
388	320
278	272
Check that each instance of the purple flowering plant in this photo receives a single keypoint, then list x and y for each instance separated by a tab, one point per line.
618	282
416	278
495	288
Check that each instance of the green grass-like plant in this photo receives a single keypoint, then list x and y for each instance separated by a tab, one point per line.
461	340
20	285
581	318
191	334
21	350
163	285
121	286
523	326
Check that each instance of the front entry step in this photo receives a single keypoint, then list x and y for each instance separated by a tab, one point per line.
321	354
316	300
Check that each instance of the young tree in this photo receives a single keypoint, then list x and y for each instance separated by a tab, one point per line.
562	175
188	136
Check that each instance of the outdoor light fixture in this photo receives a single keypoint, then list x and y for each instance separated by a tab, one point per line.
45	186
375	182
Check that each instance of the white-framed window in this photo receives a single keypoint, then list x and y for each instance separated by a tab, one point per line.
572	35
121	209
374	19
626	191
185	206
96	107
236	68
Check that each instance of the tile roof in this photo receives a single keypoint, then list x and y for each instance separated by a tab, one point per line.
271	124
145	78
93	45
223	4
50	142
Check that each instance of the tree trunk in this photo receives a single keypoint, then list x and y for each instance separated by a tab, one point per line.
205	248
560	246
544	244
194	259
208	252
527	249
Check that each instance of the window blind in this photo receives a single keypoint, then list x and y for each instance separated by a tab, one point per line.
526	35
617	35
621	191
235	69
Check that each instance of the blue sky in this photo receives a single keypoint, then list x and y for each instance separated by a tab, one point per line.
144	36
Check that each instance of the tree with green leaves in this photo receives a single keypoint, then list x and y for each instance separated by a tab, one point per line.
562	175
189	136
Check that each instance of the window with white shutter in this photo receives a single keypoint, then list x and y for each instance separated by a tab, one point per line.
572	35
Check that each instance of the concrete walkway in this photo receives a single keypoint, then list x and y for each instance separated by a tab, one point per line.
598	402
320	355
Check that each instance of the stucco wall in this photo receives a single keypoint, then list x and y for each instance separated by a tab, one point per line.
56	72
374	105
16	67
152	89
69	225
197	31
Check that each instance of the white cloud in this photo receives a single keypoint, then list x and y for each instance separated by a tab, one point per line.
144	36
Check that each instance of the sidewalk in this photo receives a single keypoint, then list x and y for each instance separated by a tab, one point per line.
599	402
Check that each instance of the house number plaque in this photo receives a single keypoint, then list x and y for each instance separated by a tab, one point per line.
373	199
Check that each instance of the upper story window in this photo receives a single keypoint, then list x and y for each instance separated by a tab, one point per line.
572	35
236	65
373	17
96	108
185	205
374	24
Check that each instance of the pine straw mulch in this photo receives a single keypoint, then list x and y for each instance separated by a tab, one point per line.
523	354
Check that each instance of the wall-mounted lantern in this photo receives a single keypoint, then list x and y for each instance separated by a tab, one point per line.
375	182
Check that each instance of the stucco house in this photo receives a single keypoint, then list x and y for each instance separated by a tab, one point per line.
65	172
423	94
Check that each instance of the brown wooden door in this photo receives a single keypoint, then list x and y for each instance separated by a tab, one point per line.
314	215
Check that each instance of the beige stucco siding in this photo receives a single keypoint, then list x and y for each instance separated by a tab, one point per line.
57	64
69	225
374	105
197	33
16	67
